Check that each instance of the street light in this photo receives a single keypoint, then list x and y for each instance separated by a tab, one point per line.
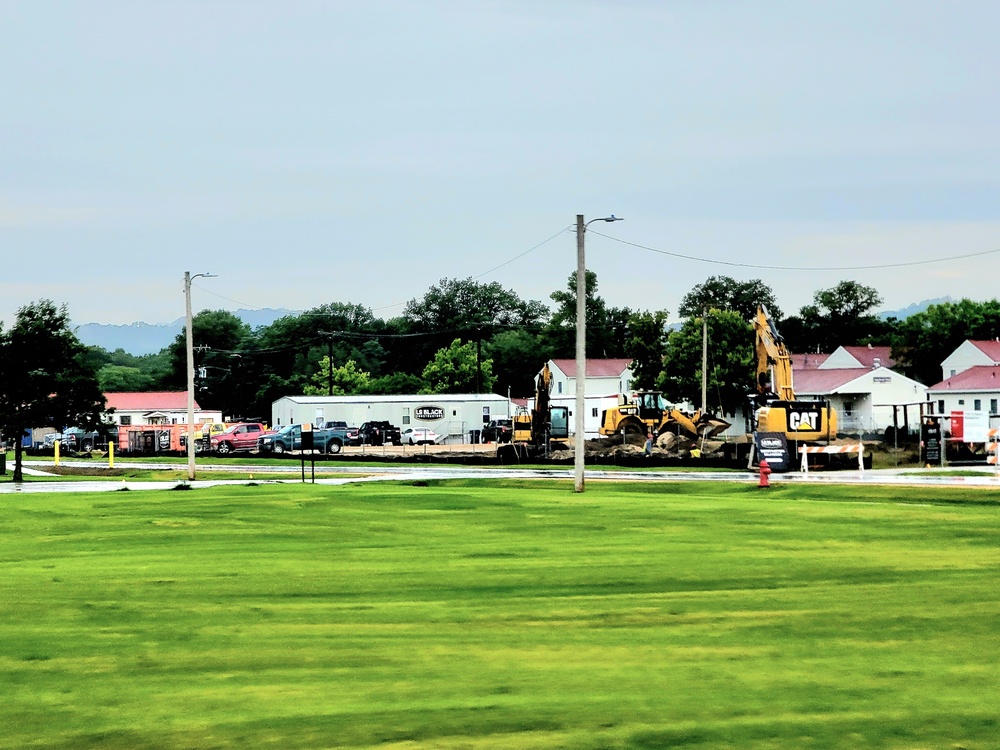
189	337
581	346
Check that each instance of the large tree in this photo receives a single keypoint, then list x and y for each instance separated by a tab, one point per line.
645	345
460	305
457	369
730	362
47	378
923	340
606	326
218	336
840	316
726	293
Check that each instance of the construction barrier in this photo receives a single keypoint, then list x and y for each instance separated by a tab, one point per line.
807	449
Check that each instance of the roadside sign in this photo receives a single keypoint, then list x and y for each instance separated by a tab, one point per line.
772	447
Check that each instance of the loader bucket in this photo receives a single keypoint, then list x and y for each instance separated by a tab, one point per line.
709	426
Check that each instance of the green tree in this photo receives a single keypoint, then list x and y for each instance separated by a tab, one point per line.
730	362
218	336
606	326
396	382
460	305
456	369
645	345
726	293
840	316
517	357
925	339
119	378
345	380
47	377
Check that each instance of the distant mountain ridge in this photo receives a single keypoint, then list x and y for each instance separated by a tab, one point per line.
916	307
149	338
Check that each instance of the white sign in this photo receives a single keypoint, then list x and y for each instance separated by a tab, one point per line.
977	427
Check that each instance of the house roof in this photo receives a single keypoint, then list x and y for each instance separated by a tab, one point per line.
807	361
978	378
867	355
149	401
990	348
596	368
825	381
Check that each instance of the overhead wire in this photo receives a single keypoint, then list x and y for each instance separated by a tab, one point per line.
764	266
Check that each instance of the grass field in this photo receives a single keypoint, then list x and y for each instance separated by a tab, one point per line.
501	614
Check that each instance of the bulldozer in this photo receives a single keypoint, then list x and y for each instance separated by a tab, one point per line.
648	411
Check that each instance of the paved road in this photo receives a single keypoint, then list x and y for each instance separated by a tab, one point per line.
910	477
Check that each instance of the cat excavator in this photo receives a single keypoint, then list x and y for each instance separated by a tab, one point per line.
536	431
774	406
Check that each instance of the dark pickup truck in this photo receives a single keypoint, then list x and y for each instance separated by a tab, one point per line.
289	438
379	433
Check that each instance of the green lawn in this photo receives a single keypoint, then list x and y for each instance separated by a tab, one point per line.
499	614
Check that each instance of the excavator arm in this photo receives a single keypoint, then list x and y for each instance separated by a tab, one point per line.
774	364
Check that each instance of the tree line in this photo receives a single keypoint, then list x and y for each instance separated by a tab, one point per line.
461	336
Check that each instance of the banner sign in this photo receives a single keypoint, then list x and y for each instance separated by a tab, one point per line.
773	448
930	438
428	413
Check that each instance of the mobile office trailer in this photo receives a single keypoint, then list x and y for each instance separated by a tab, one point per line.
457	417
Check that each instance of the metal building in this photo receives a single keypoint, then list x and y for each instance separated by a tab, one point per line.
458	416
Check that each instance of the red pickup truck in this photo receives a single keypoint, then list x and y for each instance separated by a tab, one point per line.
241	436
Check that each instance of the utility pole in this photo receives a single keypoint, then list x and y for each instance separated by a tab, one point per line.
581	350
704	360
189	344
581	355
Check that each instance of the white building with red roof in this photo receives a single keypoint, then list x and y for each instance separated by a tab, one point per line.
975	388
605	380
155	407
867	357
863	397
970	354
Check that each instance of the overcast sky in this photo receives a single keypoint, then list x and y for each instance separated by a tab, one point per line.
313	152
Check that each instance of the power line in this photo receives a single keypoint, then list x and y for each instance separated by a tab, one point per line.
761	266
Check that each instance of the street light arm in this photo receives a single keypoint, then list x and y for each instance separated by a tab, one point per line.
605	218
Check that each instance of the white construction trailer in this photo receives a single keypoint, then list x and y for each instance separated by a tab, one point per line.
460	417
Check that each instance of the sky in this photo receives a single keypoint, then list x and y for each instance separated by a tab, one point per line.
313	152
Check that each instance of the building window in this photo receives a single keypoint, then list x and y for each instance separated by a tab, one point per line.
952	374
406	415
940	406
848	408
993	406
977	405
126	420
593	412
559	387
961	402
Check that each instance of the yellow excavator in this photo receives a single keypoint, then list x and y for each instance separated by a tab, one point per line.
649	411
775	406
536	430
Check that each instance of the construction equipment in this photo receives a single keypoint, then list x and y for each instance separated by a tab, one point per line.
775	408
649	411
536	430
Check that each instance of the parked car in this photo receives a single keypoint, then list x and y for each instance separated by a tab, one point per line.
289	438
352	436
420	436
498	431
379	433
242	436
